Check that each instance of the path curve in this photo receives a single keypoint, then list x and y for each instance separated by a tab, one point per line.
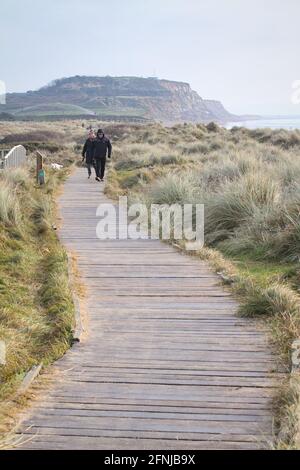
166	365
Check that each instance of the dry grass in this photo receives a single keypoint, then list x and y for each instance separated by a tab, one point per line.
36	308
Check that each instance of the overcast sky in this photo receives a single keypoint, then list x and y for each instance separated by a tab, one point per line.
242	52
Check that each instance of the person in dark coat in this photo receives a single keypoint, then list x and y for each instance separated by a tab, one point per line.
102	148
88	152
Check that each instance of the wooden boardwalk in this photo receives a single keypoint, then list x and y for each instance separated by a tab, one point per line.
166	364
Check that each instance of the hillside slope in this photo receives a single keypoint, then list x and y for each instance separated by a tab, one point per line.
129	98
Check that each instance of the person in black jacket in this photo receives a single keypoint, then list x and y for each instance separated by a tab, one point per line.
102	148
88	152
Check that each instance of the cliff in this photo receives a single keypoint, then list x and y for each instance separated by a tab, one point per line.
129	98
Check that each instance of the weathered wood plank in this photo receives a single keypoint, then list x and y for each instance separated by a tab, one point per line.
61	442
170	410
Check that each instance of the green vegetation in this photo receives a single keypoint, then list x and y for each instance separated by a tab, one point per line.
249	184
36	308
54	109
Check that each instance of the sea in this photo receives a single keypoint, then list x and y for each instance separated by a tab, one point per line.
288	123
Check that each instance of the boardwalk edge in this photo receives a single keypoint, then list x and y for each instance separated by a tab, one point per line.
31	375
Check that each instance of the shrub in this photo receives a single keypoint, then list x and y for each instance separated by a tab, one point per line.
17	177
172	189
285	244
9	205
129	164
130	180
41	213
235	203
212	127
195	147
274	300
214	174
170	159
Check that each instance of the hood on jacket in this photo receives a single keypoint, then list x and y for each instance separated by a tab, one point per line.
100	131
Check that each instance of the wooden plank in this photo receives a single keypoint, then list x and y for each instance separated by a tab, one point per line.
160	403
205	367
61	442
258	382
212	416
157	424
167	409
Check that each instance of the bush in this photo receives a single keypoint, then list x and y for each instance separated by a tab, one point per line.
213	175
172	189
130	180
237	202
274	300
285	244
41	213
17	177
212	127
129	164
195	147
9	205
170	159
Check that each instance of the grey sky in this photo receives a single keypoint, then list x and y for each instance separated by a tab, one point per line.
243	52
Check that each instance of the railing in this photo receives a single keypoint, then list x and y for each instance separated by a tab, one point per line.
12	158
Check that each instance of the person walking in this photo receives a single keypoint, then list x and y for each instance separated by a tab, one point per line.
102	148
88	152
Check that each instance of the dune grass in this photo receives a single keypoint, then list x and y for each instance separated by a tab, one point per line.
36	308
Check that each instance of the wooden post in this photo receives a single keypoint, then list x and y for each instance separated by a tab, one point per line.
40	173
